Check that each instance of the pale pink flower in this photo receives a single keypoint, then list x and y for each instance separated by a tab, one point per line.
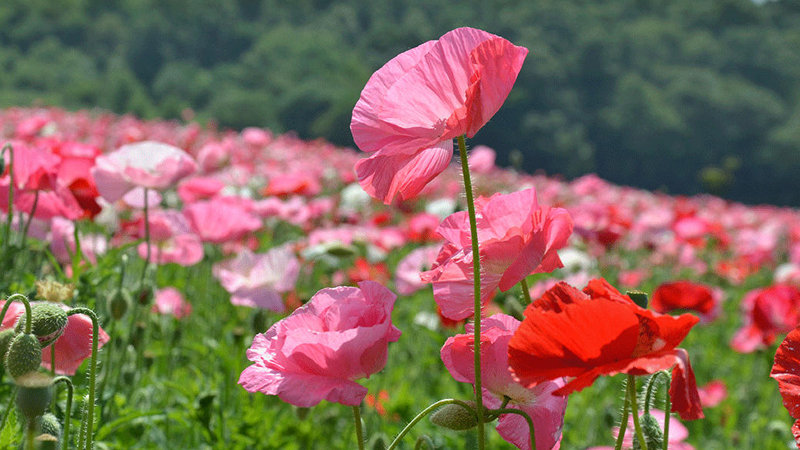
193	189
481	159
146	164
545	409
221	219
171	240
415	105
170	301
407	279
713	393
516	236
256	280
316	353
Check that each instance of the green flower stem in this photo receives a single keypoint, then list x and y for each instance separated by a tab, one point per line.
10	214
424	440
359	431
9	405
68	412
652	385
77	257
635	411
476	276
30	219
92	372
24	300
526	291
623	427
425	412
30	436
667	407
527	419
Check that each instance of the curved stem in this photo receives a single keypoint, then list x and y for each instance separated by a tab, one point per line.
68	412
652	384
476	277
92	372
359	431
667	413
27	310
425	412
424	440
527	419
635	411
30	218
623	425
526	291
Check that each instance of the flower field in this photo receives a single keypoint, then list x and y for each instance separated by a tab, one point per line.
243	229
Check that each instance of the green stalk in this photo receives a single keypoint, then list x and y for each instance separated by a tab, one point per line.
421	415
30	219
635	411
623	425
25	301
526	291
10	215
68	412
476	276
92	372
359	431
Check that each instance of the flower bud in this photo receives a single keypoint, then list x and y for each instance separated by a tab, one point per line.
638	297
144	294
48	424
651	430
5	340
24	355
118	304
455	417
48	321
33	394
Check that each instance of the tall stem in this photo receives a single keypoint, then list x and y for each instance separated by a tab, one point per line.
30	219
635	411
92	372
10	213
68	412
476	276
623	424
359	431
526	291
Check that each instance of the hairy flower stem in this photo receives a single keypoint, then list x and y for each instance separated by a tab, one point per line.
667	407
526	291
24	300
68	412
92	372
527	419
635	411
425	412
623	424
359	431
476	276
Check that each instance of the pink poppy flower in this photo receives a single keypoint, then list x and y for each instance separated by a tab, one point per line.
199	188
221	220
407	279
316	353
170	301
481	159
768	312
415	105
785	372
256	280
146	164
712	393
72	347
516	236
545	409
171	240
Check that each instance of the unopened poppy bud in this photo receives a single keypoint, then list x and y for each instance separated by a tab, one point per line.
48	321
638	297
455	417
24	355
378	441
118	304
48	424
144	295
33	394
651	430
5	340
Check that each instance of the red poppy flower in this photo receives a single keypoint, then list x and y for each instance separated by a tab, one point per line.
687	295
569	333
785	371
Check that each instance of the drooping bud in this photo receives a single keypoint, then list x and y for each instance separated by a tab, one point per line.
24	355
651	430
33	394
48	424
455	417
48	321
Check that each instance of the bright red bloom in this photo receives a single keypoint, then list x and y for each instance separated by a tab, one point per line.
687	295
415	105
569	333
768	312
786	371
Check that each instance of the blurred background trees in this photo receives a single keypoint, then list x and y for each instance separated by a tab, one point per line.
685	96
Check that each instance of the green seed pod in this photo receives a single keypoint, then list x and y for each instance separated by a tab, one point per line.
455	417
47	424
33	394
5	341
652	433
24	355
144	294
118	304
48	321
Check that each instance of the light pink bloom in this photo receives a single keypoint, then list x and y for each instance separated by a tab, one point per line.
407	278
171	240
316	353
256	280
545	409
516	236
170	301
62	242
72	347
199	188
481	159
146	164
713	393
415	105
221	219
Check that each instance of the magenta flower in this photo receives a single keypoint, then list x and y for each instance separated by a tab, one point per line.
146	164
221	219
257	280
516	236
316	353
412	108
545	409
